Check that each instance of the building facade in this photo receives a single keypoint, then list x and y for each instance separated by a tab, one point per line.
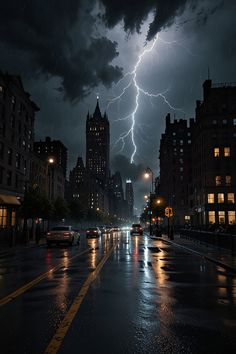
214	156
78	183
54	149
97	159
129	196
176	167
17	116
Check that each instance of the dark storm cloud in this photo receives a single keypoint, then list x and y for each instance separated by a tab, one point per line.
57	38
134	13
127	170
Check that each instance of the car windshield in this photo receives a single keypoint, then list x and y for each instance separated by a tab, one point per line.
136	225
92	228
61	228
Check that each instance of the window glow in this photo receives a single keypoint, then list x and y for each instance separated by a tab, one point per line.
211	217
221	198
210	198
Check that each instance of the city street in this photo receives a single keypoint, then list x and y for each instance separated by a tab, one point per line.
116	294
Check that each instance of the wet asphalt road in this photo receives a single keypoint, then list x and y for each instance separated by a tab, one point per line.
149	297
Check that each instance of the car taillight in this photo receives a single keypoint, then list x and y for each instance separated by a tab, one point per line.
48	233
66	233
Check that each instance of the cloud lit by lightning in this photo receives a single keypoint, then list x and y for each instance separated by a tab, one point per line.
130	133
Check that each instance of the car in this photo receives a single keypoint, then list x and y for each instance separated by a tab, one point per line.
62	234
136	229
93	232
115	229
104	229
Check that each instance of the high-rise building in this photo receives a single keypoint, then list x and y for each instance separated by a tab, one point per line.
52	149
117	195
97	158
214	156
17	115
78	182
129	195
175	167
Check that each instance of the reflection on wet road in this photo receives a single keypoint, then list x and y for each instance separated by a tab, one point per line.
142	296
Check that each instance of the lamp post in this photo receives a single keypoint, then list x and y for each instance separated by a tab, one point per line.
147	175
50	162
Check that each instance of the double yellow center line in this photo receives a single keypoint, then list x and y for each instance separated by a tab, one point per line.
60	334
29	285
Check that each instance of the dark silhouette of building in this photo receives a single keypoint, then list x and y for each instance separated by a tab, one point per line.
17	115
52	149
116	197
214	155
78	183
129	196
175	167
97	158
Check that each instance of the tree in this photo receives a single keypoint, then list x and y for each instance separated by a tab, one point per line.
61	209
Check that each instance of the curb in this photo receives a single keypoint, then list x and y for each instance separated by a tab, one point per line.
213	260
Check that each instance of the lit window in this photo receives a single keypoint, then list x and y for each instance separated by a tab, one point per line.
218	180
210	198
211	217
227	151
224	121
230	197
181	142
216	152
221	198
174	133
181	169
221	217
231	217
3	217
234	121
189	141
228	180
189	134
1	89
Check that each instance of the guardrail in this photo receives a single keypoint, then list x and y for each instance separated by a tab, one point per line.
217	239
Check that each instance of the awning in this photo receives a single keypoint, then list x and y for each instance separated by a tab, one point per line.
8	199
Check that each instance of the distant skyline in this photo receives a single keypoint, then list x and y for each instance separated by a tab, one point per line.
69	53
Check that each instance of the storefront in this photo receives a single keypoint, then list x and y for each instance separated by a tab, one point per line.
8	209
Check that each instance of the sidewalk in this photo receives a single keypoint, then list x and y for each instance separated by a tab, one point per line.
221	256
7	250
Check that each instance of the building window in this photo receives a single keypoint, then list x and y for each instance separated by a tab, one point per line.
214	121
228	180
210	198
1	150
231	217
224	121
181	142
234	121
175	133
9	153
9	178
221	217
211	217
216	152
218	180
3	217
221	198
230	197
226	151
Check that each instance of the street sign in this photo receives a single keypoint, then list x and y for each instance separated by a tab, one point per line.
168	212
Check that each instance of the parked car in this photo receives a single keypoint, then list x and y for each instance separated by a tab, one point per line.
115	229
62	234
104	229
136	229
93	232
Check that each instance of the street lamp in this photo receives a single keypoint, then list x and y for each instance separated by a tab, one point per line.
50	162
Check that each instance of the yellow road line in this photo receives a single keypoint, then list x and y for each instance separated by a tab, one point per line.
60	334
29	285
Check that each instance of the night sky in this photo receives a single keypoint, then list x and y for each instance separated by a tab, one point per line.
68	52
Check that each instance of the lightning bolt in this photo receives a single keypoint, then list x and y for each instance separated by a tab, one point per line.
133	83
